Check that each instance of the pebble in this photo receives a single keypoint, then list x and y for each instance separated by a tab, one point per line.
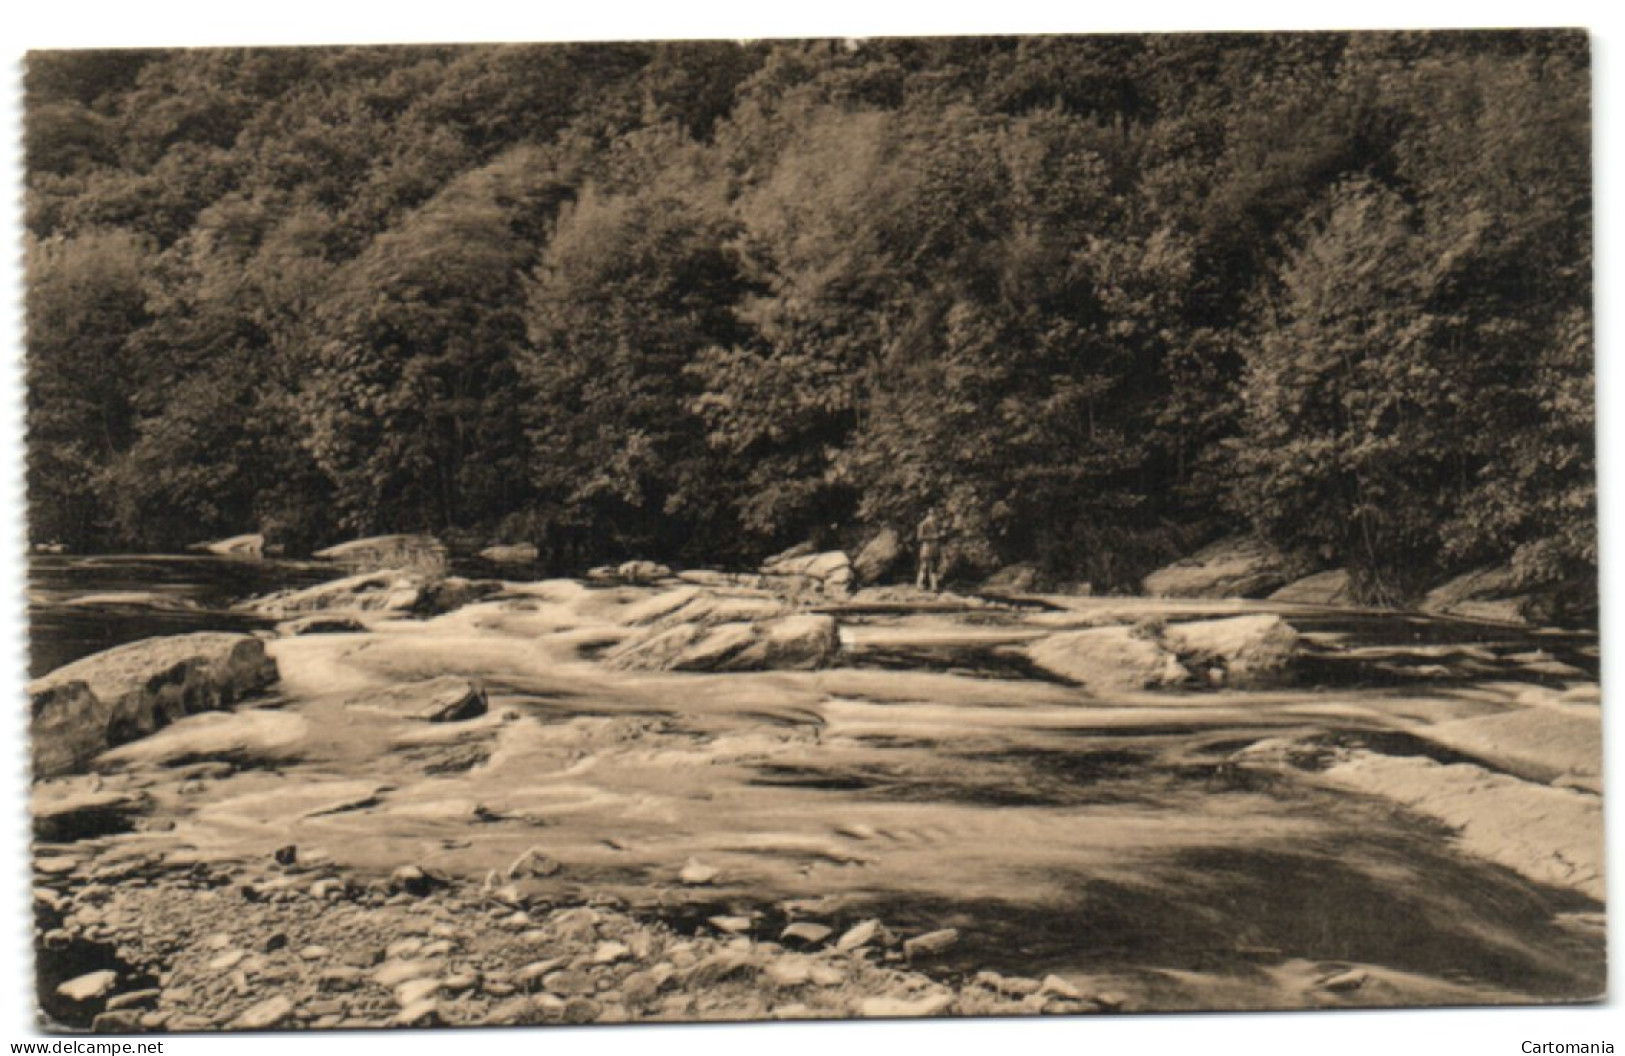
888	1007
55	865
341	977
805	932
239	984
226	961
325	1006
610	952
271	1012
827	975
402	948
437	949
548	1005
423	1014
314	953
154	1020
789	971
731	925
457	982
393	973
415	991
1111	1001
931	943
581	1010
1343	982
133	999
568	982
90	986
1055	985
327	888
859	936
125	1022
696	873
536	970
511	1012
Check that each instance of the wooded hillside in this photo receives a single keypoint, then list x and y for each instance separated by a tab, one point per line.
1101	298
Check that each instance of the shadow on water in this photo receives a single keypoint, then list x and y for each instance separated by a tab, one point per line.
185	593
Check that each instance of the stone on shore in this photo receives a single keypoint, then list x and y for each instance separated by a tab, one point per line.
118	696
1483	594
1323	588
1237	567
423	554
1107	659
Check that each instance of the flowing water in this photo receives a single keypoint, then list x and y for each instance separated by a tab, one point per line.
1118	840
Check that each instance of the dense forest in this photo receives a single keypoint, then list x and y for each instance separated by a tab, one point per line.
1099	298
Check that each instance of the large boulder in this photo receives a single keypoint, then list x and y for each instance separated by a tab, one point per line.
878	557
250	545
1240	651
387	591
1238	567
117	696
417	553
1323	588
1107	659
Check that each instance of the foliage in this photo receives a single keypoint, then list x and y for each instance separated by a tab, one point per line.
700	301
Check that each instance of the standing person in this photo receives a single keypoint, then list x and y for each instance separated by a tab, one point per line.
930	535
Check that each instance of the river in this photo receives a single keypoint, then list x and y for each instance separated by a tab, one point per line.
923	782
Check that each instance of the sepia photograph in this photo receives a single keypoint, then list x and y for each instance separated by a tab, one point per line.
1038	525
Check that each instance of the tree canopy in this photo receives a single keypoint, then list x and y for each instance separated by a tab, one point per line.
1098	297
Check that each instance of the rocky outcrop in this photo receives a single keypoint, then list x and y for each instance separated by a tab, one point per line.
1108	659
1323	588
802	641
1237	567
387	591
417	553
796	572
511	554
122	694
250	545
1242	651
879	557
